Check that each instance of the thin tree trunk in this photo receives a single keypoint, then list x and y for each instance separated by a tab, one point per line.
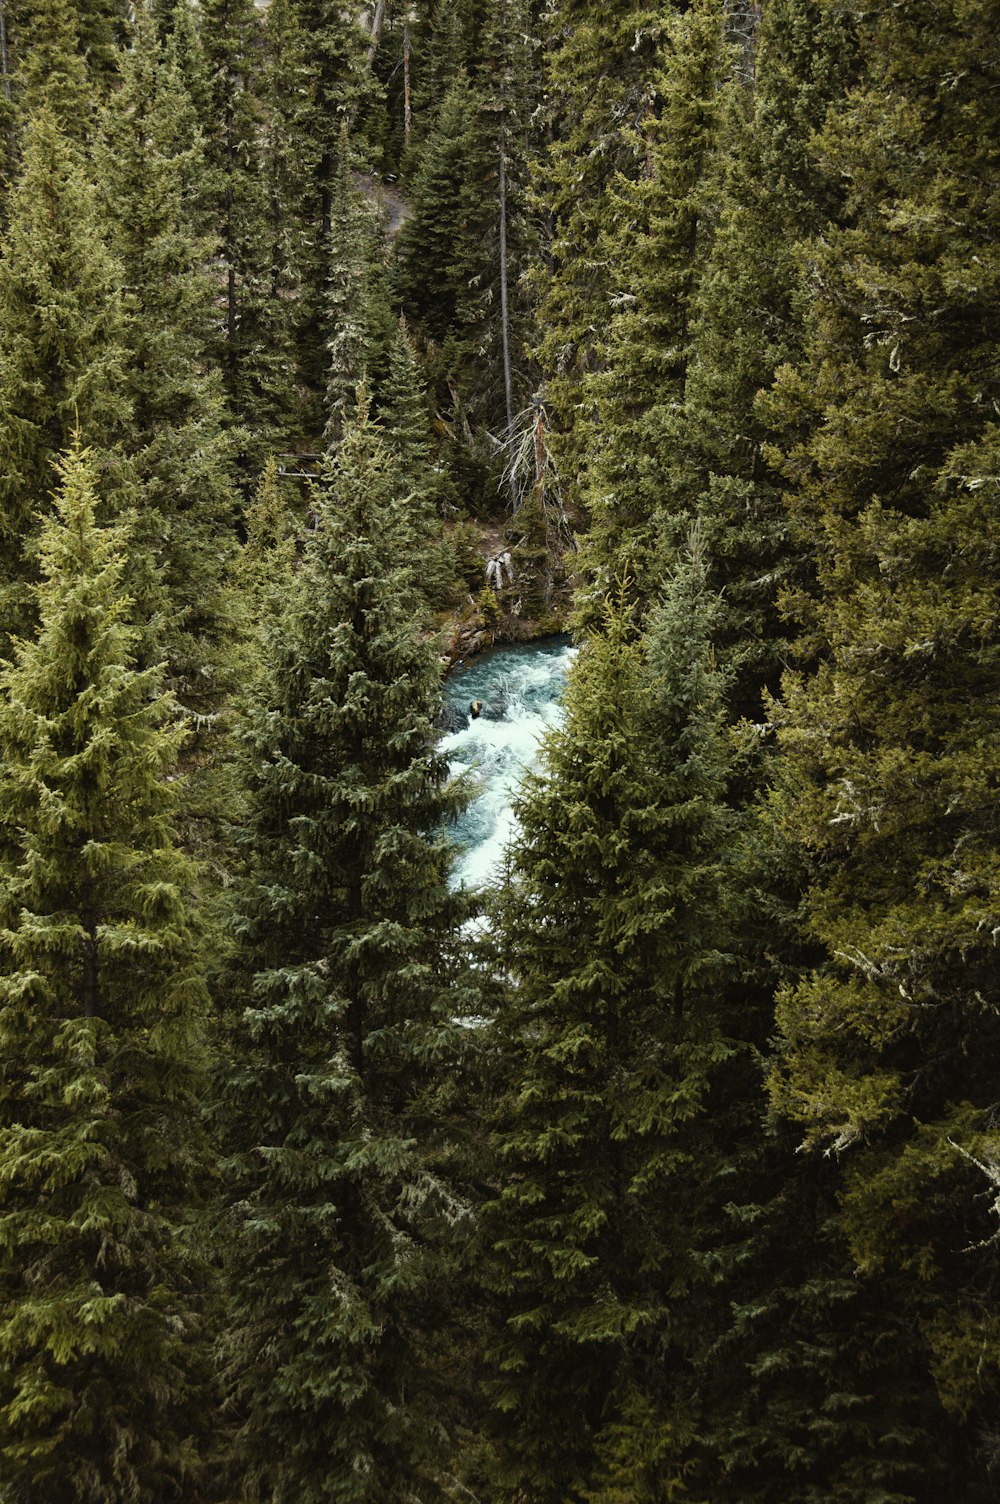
407	111
508	374
378	21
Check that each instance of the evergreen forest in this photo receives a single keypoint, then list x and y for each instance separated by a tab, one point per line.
340	343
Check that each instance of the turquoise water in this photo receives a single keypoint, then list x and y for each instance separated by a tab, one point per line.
520	686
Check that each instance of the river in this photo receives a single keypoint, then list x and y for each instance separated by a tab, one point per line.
520	687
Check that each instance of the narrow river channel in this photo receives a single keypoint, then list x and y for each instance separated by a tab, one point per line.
519	687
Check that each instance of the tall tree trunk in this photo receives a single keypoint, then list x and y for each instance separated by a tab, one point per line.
378	21
508	374
407	110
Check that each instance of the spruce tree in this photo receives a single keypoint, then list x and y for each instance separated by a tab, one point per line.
102	1381
150	165
507	88
334	44
613	1049
437	247
288	166
656	246
446	55
347	994
63	55
256	348
61	347
349	317
888	767
747	321
262	572
598	65
418	470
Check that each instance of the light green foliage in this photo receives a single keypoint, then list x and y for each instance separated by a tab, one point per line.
63	56
150	169
348	991
102	1379
62	334
262	571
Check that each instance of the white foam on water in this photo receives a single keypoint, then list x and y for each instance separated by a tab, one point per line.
522	687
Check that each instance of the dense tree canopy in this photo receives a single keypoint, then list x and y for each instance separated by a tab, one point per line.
339	343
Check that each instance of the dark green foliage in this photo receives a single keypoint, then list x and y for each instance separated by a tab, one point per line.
654	248
888	769
420	480
338	82
102	1380
747	322
613	1046
598	66
288	164
257	352
695	1193
816	1387
507	89
352	316
436	247
350	987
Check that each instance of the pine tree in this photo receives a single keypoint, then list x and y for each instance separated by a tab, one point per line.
613	1049
888	764
63	56
350	321
288	167
339	81
150	164
102	1380
599	61
437	246
257	348
747	321
61	348
350	985
657	246
419	476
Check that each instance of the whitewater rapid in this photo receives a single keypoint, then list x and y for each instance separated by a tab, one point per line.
520	687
